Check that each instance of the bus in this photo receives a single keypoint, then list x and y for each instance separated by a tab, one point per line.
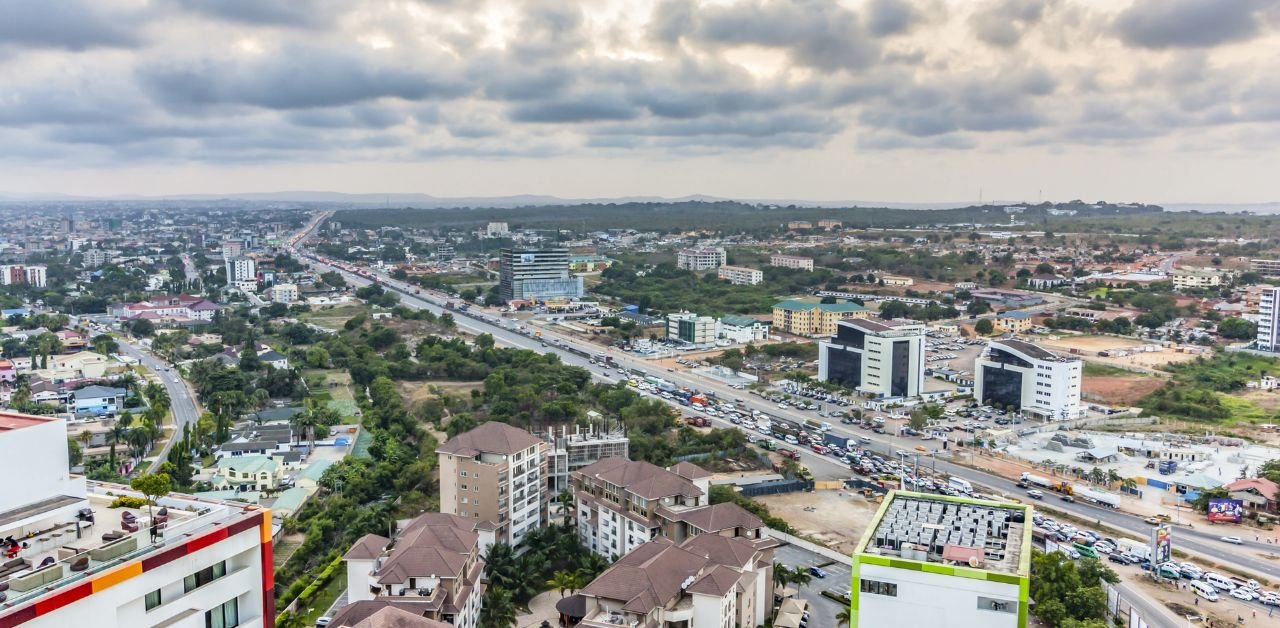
1085	550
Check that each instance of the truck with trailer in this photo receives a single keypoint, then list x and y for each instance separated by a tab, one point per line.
1040	481
830	438
1096	496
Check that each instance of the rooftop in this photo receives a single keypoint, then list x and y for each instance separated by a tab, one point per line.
965	533
1031	350
494	437
641	478
13	421
901	326
798	304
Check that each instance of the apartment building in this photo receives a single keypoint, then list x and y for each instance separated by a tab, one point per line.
689	328
537	274
740	275
706	581
232	249
791	261
1265	267
188	562
241	268
1021	375
285	293
701	258
829	224
884	359
431	569
1015	322
799	224
1269	320
497	230
743	329
569	451
808	317
18	274
495	473
897	281
93	258
621	504
934	560
1198	278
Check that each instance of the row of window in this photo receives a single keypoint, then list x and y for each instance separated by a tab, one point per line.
225	615
890	589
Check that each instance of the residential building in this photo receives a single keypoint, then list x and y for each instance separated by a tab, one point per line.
241	269
1184	278
1265	267
211	566
374	614
432	569
1269	320
1045	281
705	581
829	224
38	276
533	275
232	249
1023	376
621	504
701	258
17	274
1015	321
495	473
163	308
588	263
799	224
497	230
740	276
1258	493
690	328
743	329
806	317
274	359
98	400
93	258
568	452
791	261
965	285
880	358
934	560
285	293
247	473
8	371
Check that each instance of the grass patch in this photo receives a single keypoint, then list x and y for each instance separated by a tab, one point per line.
1093	369
1243	410
324	598
1200	389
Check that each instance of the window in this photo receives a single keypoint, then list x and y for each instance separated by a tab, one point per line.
225	615
152	599
879	588
204	576
999	606
463	473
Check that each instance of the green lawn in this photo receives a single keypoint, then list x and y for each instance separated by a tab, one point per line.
324	598
1106	370
1245	411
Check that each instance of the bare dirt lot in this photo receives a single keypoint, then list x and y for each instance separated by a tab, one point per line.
1089	346
838	518
1119	390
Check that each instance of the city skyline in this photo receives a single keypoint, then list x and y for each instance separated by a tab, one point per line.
890	100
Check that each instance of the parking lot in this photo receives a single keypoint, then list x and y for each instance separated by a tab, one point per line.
822	610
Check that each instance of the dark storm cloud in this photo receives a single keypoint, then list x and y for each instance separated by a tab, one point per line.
1188	23
817	33
294	13
74	25
1002	23
299	77
890	17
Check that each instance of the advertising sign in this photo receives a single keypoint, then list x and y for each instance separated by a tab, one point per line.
1161	544
1226	511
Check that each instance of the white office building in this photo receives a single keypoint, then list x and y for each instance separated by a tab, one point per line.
1036	382
537	275
690	328
241	269
934	560
185	563
884	359
740	276
1269	320
701	258
497	230
743	329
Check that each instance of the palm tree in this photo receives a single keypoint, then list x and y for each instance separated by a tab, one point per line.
117	435
566	502
499	609
564	580
800	576
139	442
781	576
1113	477
260	398
843	617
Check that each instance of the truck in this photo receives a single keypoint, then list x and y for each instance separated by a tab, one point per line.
1037	480
698	398
831	438
960	484
1099	497
1168	467
1136	548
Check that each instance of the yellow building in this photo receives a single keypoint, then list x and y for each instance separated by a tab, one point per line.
1014	322
810	318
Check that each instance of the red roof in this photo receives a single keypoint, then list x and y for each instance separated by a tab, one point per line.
1263	486
13	421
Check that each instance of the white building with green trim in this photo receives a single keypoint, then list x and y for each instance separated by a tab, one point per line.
933	560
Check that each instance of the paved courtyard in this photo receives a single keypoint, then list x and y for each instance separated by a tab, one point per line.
822	610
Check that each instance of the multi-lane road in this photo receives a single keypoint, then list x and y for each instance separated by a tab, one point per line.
181	401
1247	556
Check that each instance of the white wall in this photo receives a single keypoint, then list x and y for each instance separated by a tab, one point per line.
926	599
38	455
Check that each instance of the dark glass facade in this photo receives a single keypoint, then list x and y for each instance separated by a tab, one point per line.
1004	357
900	369
844	367
851	336
1001	386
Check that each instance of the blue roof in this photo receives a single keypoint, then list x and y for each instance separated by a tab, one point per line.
1018	314
22	311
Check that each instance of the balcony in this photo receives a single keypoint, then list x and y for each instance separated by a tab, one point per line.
609	619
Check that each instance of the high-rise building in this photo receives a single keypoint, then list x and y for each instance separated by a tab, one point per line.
934	560
1269	320
701	258
527	274
94	258
241	269
18	274
568	452
37	276
1036	382
880	358
495	473
740	276
690	328
496	230
432	568
232	249
80	562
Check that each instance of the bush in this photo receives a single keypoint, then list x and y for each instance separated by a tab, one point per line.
128	501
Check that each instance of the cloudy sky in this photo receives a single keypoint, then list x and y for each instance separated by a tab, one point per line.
901	100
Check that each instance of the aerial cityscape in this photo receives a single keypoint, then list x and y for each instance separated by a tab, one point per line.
559	314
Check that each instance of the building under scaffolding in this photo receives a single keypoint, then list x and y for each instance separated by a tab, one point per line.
574	447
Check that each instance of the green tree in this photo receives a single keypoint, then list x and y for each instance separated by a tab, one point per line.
984	326
154	486
565	581
142	328
75	455
499	609
1237	329
105	344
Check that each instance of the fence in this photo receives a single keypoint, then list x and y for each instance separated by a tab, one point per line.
775	487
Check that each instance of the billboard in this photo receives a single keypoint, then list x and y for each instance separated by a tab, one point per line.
1226	511
1161	544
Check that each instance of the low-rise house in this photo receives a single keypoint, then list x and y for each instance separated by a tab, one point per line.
1259	494
247	473
98	400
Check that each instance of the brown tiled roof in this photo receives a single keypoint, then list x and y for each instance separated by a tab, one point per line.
689	471
724	550
719	517
646	577
374	614
492	437
717	580
368	546
641	478
434	544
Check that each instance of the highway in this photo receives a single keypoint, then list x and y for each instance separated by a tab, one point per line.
1189	540
182	402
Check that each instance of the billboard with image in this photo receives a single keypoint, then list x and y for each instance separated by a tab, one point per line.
1161	544
1226	511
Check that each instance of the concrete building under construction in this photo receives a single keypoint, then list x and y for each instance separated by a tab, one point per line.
574	447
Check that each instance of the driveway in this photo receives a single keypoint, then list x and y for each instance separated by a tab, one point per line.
822	610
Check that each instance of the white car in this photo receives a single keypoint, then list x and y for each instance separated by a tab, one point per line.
1234	540
1103	548
1271	598
1242	593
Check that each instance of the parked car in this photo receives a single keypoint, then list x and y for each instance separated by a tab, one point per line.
817	572
1119	557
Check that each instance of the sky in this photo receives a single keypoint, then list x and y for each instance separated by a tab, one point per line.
891	100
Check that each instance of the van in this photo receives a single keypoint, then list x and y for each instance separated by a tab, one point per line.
1219	581
1204	590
